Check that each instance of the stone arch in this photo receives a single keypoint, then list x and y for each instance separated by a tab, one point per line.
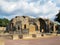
18	25
36	27
11	26
42	25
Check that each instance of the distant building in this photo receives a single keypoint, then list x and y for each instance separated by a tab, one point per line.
27	25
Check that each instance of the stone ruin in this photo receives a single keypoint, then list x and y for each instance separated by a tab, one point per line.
28	25
22	25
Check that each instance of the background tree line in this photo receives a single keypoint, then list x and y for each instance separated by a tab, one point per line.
4	22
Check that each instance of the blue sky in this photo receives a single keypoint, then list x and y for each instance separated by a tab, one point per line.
33	8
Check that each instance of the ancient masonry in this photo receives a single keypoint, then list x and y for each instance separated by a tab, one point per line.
28	25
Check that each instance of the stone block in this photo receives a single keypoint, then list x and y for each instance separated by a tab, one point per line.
15	37
32	29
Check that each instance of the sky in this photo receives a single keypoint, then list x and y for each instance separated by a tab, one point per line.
33	8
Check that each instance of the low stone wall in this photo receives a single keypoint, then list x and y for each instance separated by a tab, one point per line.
28	36
3	28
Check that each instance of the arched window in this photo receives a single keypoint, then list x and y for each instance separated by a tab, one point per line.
25	26
18	28
24	17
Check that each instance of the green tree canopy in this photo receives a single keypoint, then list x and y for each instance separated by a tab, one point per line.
4	22
58	17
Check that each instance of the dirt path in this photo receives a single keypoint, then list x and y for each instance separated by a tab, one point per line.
40	41
2	42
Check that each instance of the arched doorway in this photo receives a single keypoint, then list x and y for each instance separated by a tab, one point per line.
25	26
42	25
36	27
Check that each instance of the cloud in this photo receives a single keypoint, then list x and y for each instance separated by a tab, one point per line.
7	6
57	2
33	8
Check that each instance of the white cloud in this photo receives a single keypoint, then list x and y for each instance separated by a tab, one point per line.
56	1
48	9
7	6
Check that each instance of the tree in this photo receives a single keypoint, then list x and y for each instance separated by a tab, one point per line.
58	20
0	22
4	22
58	17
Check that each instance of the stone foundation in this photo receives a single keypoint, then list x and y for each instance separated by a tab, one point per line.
27	36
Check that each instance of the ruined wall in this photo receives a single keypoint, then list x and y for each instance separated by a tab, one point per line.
30	25
2	28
